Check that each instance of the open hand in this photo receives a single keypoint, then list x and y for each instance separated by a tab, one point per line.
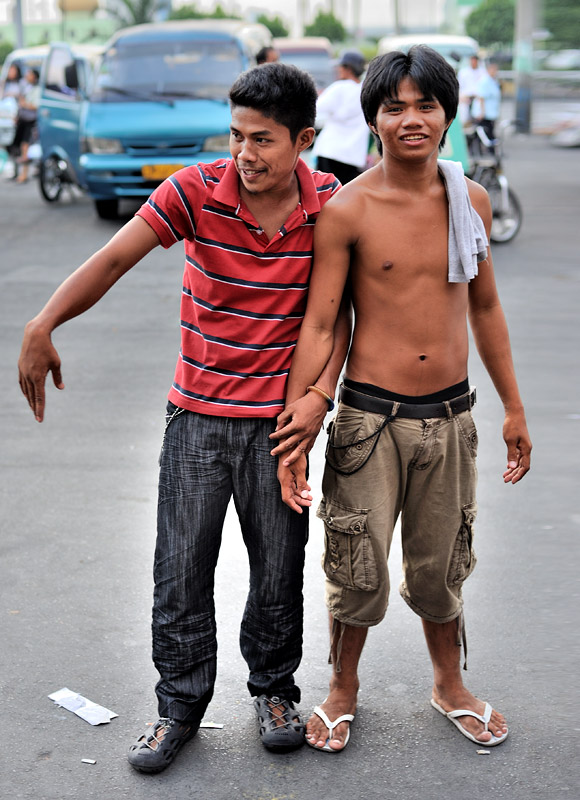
519	447
38	357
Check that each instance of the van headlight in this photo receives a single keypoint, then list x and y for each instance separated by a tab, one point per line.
217	144
102	147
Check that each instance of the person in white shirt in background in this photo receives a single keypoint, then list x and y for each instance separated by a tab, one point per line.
343	143
469	78
486	106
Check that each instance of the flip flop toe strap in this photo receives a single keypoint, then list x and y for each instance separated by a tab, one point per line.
464	712
332	725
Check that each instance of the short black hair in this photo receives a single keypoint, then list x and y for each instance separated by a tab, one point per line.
262	54
279	91
424	66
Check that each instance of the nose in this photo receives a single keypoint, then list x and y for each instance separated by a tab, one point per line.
246	151
412	117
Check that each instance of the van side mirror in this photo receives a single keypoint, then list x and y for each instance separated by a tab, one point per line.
71	76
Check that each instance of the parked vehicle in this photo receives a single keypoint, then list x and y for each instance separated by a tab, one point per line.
486	157
156	101
567	133
455	49
312	54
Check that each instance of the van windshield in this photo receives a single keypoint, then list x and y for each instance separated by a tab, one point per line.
132	71
317	62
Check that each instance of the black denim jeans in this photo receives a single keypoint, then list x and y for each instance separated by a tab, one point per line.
205	461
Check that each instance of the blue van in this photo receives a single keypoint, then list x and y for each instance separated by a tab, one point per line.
155	101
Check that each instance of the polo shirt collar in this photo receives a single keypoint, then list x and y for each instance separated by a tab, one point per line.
228	190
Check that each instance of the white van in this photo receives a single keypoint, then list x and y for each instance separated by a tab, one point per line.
455	49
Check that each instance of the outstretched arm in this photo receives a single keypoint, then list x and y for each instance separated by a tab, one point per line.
491	336
76	294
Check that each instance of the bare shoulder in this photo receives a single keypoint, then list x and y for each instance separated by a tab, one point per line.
343	208
479	200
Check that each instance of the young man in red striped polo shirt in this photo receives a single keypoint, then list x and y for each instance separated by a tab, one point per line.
247	227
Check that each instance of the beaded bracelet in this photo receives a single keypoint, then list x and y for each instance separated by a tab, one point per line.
322	393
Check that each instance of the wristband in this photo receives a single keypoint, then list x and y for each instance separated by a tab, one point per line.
322	393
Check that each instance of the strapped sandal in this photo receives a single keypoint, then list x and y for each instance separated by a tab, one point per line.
157	748
281	727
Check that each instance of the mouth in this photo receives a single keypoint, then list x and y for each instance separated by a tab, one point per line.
249	173
413	137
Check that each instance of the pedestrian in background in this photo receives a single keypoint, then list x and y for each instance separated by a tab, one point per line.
13	83
469	78
267	55
342	145
25	124
486	106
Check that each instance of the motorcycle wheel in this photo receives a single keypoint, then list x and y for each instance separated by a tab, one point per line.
505	222
50	179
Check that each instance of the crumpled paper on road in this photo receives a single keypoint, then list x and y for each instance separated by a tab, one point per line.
83	708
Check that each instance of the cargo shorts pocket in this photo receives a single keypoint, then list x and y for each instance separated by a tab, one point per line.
352	437
349	558
463	559
466	425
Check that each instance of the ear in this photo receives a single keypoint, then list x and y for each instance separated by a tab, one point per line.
449	124
305	139
373	129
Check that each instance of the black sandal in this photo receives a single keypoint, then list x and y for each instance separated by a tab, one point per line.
281	727
156	749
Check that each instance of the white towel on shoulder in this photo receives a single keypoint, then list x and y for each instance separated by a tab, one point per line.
467	237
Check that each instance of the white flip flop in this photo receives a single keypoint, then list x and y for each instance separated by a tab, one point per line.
331	726
452	716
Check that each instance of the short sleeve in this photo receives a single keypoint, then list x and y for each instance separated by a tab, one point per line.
170	210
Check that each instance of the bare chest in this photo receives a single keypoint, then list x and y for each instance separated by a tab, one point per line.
402	243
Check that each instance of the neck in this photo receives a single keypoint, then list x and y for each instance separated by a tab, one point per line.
410	176
279	195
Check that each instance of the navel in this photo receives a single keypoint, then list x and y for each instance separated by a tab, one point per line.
422	357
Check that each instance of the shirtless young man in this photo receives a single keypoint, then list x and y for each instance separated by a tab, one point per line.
403	441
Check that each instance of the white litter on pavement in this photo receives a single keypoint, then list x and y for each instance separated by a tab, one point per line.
83	708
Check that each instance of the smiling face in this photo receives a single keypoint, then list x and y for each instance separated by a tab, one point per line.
263	151
410	125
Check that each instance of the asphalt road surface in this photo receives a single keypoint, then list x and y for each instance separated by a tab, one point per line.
78	526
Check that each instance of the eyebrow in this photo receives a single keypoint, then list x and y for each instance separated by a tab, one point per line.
395	101
265	132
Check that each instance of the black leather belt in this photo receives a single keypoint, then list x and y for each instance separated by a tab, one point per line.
378	405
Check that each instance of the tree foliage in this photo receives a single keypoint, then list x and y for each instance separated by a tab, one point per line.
5	48
326	24
133	12
492	22
190	12
562	19
274	25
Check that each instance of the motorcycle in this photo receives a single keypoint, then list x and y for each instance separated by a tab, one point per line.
486	169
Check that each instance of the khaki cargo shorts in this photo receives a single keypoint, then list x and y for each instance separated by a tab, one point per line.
421	469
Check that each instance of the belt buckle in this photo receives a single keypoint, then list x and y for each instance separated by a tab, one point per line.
472	397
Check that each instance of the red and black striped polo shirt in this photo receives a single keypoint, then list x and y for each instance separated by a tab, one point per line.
244	296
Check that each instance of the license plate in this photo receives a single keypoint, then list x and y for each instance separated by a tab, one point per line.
158	172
